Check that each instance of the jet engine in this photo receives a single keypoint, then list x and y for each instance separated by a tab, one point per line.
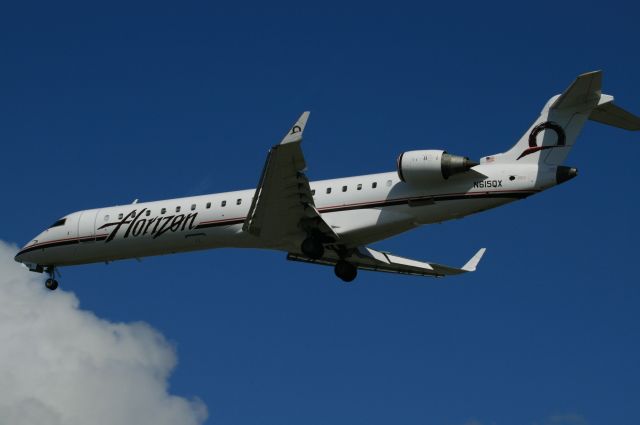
416	167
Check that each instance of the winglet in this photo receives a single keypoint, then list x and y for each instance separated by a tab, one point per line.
473	262
295	134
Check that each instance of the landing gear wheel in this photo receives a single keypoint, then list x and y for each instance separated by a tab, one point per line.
51	284
346	271
312	248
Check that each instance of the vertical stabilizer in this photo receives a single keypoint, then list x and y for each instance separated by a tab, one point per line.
553	134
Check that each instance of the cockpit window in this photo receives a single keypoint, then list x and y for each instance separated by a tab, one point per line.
59	222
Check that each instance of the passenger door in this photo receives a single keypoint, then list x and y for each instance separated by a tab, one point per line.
87	225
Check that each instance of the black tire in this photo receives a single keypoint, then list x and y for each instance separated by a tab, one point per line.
312	248
51	284
346	271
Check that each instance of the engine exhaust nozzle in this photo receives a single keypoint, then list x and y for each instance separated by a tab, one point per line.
454	164
565	173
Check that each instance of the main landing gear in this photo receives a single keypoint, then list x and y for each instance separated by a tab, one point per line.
346	271
313	248
51	283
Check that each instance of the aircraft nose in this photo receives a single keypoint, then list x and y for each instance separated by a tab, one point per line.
20	255
26	252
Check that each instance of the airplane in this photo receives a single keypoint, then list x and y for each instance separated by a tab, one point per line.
331	222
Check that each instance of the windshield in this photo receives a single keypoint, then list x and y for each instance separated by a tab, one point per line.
59	222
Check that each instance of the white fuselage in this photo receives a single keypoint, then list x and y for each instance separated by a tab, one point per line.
361	210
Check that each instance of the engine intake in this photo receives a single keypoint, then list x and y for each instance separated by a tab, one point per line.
431	165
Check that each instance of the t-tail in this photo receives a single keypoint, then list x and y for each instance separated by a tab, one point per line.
551	137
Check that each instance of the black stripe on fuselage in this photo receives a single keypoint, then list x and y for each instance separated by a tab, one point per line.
391	203
72	241
434	198
364	205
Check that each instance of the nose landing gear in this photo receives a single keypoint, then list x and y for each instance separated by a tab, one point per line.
51	283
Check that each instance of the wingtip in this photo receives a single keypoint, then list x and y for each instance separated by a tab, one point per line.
473	262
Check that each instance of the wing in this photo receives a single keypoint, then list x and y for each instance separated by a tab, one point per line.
283	206
369	259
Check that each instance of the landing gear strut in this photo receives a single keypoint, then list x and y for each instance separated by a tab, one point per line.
312	248
51	283
346	271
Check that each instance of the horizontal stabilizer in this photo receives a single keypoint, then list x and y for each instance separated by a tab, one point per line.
608	113
584	90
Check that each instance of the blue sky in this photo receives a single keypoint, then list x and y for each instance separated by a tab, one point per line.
102	104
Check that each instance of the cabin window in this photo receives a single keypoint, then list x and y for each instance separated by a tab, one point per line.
163	211
177	209
374	185
120	216
328	190
359	187
193	207
208	205
61	222
148	213
106	217
224	203
239	201
344	188
389	183
313	192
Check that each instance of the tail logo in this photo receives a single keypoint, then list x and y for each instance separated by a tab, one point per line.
533	137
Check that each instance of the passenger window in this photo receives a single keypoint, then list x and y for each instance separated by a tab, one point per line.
106	217
120	216
328	190
344	188
359	187
177	209
162	211
239	201
193	207
208	205
374	185
389	183
313	192
64	220
224	203
148	213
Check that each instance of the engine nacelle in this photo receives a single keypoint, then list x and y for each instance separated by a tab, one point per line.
431	165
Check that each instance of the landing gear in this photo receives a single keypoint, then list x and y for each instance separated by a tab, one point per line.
346	271
51	283
312	248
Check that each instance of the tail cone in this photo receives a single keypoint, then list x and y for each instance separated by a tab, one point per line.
565	173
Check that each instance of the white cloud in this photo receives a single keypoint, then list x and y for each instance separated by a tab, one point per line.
61	365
